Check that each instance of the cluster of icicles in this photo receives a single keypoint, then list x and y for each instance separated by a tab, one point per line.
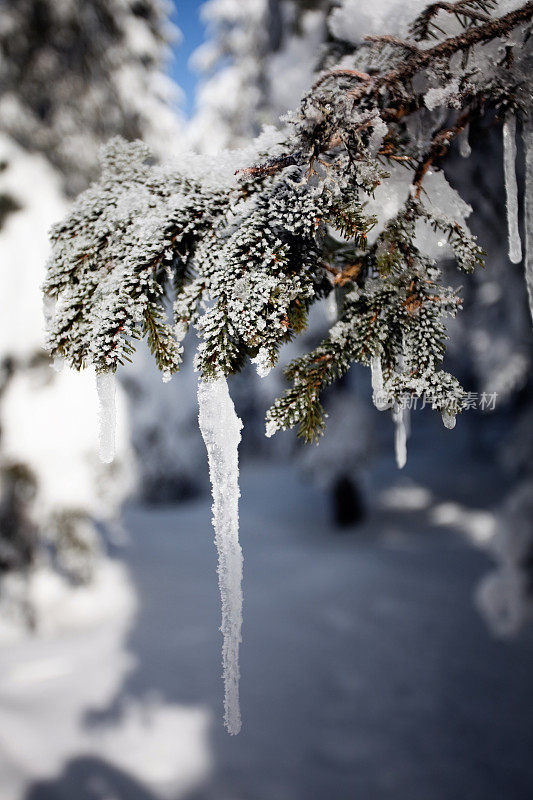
401	415
221	430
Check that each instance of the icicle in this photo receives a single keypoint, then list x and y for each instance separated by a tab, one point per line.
331	307
400	435
527	133
465	150
105	386
448	420
377	376
378	392
221	430
511	188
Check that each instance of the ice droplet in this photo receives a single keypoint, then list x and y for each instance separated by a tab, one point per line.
449	420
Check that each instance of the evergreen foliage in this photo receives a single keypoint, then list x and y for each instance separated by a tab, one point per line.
244	259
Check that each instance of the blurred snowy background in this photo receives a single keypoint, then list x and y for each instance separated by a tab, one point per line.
386	648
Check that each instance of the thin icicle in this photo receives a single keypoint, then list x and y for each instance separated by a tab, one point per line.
400	435
511	188
377	376
527	133
378	391
105	386
221	430
465	151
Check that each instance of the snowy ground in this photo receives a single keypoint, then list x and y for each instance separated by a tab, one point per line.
366	671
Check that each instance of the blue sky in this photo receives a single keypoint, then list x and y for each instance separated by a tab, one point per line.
187	17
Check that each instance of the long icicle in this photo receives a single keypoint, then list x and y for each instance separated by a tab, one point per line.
221	430
511	188
105	386
527	133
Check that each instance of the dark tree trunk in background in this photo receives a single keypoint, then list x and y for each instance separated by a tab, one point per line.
347	502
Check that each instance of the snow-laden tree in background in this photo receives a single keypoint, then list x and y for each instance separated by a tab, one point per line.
257	62
244	257
74	75
71	75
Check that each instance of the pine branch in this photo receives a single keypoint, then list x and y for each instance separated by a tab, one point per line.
369	92
488	31
244	261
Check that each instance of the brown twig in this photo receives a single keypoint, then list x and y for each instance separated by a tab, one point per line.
348	274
